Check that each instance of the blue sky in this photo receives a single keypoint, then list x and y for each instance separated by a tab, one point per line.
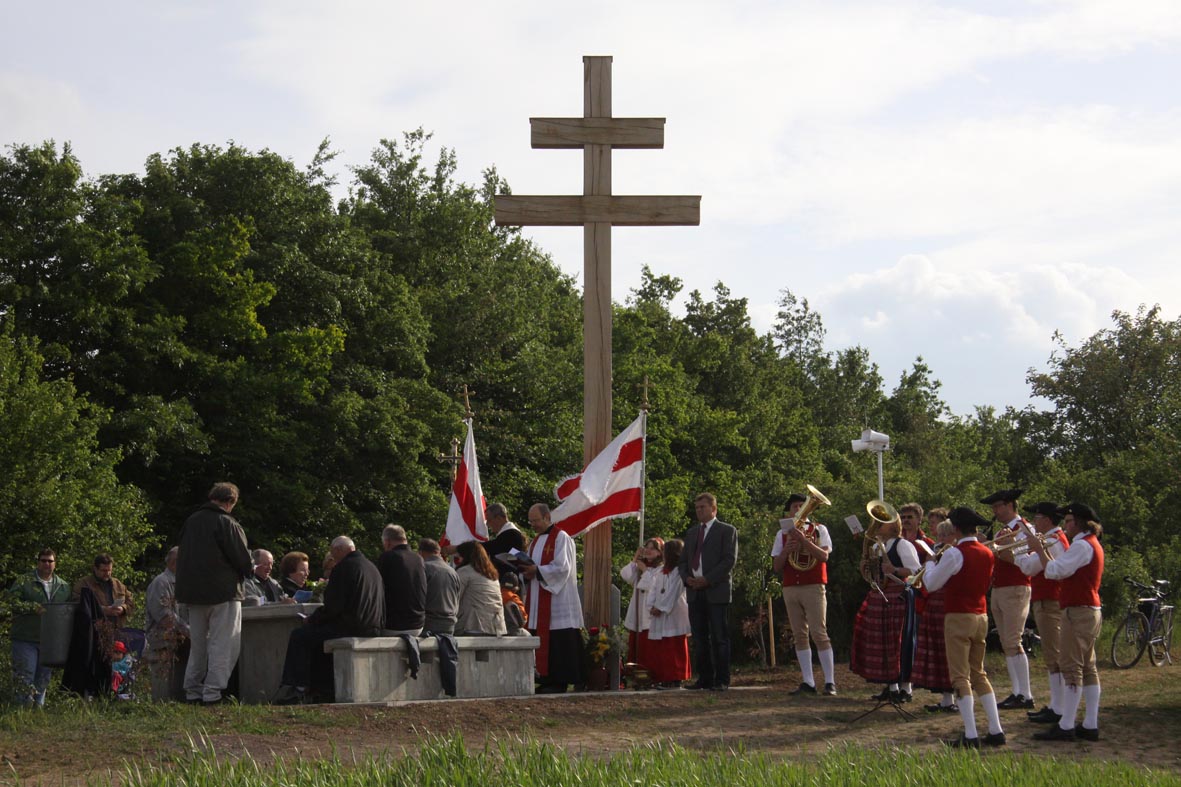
952	180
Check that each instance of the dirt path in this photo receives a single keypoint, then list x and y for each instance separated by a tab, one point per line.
1140	722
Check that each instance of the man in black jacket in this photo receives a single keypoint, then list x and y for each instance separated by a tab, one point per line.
354	606
212	563
404	577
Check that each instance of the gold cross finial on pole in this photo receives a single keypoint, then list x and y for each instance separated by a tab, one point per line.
467	403
453	457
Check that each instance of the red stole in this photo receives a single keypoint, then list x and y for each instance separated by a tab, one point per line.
543	600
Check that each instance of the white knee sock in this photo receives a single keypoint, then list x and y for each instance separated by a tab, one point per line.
805	657
1056	692
991	712
1071	697
907	687
1091	695
1014	675
948	700
826	664
968	715
1022	662
893	687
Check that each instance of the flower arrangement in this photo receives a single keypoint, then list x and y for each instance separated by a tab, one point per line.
601	644
317	587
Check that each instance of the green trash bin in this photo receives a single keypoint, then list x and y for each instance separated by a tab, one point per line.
57	628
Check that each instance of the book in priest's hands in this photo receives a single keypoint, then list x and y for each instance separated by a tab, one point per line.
515	557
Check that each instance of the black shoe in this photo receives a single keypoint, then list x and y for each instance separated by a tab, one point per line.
1045	716
289	695
223	700
1086	734
962	742
720	687
804	688
902	696
882	696
830	689
952	708
1055	733
699	686
1015	701
997	739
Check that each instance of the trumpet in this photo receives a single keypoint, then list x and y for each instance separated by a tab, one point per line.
1022	547
915	580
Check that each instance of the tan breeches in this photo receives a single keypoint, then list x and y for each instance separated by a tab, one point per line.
963	637
1010	610
807	608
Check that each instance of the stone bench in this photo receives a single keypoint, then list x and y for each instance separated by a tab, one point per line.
374	669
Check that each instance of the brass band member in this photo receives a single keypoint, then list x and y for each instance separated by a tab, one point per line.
1080	570
804	595
1043	600
930	655
883	631
1010	599
965	571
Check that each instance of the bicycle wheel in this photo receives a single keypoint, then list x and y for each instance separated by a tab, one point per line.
1159	644
1127	645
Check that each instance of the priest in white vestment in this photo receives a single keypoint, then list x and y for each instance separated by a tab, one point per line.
555	612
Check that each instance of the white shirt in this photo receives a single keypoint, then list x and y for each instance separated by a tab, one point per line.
1031	562
948	566
1079	555
559	578
668	595
906	553
697	572
823	539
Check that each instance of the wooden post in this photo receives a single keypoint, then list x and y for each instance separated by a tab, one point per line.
597	210
771	626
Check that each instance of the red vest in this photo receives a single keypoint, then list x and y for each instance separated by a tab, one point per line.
1081	589
817	575
966	590
1046	589
1007	574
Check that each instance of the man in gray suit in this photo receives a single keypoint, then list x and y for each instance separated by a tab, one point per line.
711	548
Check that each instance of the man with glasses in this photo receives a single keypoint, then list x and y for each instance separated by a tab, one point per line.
30	593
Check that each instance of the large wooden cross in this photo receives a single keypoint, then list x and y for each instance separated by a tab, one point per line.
597	210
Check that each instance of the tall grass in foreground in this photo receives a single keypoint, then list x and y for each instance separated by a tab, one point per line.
447	763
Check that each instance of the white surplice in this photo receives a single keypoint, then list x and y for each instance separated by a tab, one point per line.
668	595
559	578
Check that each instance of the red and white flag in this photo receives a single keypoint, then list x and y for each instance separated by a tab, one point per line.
611	486
465	517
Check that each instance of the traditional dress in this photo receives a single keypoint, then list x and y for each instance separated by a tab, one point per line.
806	600
930	655
668	641
1081	570
884	630
1047	611
555	612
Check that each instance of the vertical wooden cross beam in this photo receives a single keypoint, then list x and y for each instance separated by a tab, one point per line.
597	210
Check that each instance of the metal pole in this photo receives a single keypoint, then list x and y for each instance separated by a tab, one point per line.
881	485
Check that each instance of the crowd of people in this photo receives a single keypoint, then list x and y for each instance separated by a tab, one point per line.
923	623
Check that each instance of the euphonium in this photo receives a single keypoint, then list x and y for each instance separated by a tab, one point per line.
805	561
880	513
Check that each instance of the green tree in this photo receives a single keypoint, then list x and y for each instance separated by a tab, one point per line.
59	488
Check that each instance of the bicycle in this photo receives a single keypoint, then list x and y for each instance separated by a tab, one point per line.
1148	625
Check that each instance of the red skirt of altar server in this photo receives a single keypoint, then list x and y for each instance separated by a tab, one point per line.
877	637
930	656
668	659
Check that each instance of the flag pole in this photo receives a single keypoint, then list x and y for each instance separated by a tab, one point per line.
643	458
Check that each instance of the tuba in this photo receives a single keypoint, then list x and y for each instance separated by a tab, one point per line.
805	562
873	548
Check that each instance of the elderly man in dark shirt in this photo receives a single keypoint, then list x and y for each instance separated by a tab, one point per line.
442	589
260	584
404	577
354	606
